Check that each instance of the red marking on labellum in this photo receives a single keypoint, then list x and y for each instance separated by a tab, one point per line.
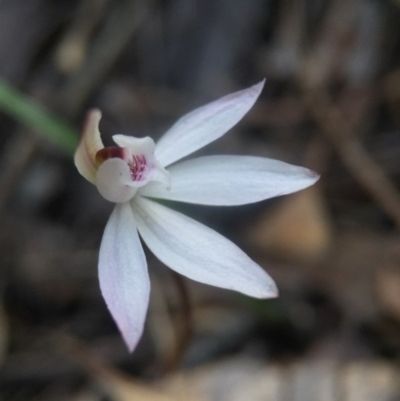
138	167
112	152
137	163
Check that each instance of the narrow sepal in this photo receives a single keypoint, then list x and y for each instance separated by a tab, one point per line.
90	144
123	275
198	252
205	124
231	180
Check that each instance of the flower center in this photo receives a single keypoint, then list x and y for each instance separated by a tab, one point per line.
137	163
137	167
123	169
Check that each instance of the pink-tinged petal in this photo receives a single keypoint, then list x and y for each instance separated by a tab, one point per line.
205	125
198	252
114	181
231	180
124	280
90	144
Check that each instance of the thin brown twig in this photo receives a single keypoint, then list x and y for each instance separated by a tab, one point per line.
353	154
170	321
115	383
116	35
72	47
184	326
17	155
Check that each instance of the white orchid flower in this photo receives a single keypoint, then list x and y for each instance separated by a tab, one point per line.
136	171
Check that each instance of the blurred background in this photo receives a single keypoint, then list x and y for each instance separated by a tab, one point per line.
331	102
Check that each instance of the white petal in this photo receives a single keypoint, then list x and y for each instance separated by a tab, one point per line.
90	144
144	145
205	125
123	275
231	180
114	182
198	252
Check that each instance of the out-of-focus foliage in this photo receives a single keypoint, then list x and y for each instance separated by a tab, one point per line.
29	114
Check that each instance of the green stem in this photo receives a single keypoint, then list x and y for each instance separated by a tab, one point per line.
35	117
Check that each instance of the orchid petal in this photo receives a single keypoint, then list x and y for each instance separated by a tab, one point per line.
205	125
135	145
90	144
124	280
231	180
198	252
114	181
